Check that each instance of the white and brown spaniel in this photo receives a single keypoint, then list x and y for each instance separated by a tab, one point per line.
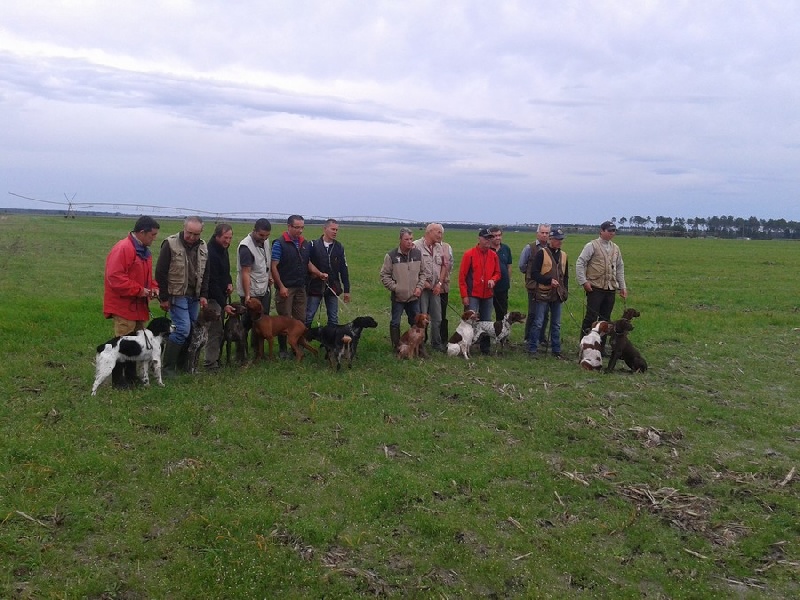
590	355
461	340
498	330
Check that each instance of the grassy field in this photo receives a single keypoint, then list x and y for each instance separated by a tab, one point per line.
500	477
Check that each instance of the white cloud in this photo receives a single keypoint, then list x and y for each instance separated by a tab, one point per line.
415	109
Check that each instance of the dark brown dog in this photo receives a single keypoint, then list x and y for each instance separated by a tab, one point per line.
266	327
622	347
233	333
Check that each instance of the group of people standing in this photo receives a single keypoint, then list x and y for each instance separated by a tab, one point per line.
416	272
191	274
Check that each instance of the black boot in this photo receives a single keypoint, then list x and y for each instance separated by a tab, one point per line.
131	376
394	334
169	363
118	380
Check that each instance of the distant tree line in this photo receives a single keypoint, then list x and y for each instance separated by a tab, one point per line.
722	226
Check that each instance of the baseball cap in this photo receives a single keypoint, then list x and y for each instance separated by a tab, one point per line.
557	234
484	233
608	225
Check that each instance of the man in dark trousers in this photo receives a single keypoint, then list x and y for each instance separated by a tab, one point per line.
327	254
291	266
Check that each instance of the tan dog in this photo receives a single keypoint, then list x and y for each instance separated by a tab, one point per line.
267	327
412	341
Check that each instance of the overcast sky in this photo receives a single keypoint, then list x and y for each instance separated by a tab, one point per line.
482	111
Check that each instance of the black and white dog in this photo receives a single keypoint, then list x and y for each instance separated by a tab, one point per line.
142	347
341	341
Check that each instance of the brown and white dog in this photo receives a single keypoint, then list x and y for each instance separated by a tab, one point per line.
461	340
266	327
590	355
498	330
412	341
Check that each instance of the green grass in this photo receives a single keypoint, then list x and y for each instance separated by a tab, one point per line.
498	477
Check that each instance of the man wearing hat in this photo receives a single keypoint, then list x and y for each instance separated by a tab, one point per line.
601	272
477	276
550	271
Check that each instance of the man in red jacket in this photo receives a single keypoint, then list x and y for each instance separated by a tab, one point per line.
128	288
477	276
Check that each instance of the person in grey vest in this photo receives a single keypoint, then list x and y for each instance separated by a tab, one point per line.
182	275
253	269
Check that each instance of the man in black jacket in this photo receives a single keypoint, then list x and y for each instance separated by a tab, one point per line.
220	286
327	254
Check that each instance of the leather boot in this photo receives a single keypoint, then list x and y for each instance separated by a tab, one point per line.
131	376
394	334
118	380
169	363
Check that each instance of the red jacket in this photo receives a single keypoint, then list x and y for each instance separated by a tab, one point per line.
127	274
478	266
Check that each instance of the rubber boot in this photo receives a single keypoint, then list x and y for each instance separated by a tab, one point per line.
282	353
118	380
394	334
169	363
131	377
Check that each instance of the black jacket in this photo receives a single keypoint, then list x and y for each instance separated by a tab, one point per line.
331	261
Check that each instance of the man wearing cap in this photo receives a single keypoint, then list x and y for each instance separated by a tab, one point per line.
601	272
477	276
128	287
550	271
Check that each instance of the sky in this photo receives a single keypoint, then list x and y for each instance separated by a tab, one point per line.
499	111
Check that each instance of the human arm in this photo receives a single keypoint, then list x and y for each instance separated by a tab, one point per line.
524	257
162	275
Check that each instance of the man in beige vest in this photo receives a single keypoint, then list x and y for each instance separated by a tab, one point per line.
601	272
182	273
550	270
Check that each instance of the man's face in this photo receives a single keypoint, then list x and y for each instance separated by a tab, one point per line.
608	234
260	236
406	242
485	242
435	235
296	228
147	237
555	244
330	231
543	234
192	232
497	239
225	239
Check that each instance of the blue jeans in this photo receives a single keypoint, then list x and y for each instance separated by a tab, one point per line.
539	313
484	308
183	310
411	308
331	307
